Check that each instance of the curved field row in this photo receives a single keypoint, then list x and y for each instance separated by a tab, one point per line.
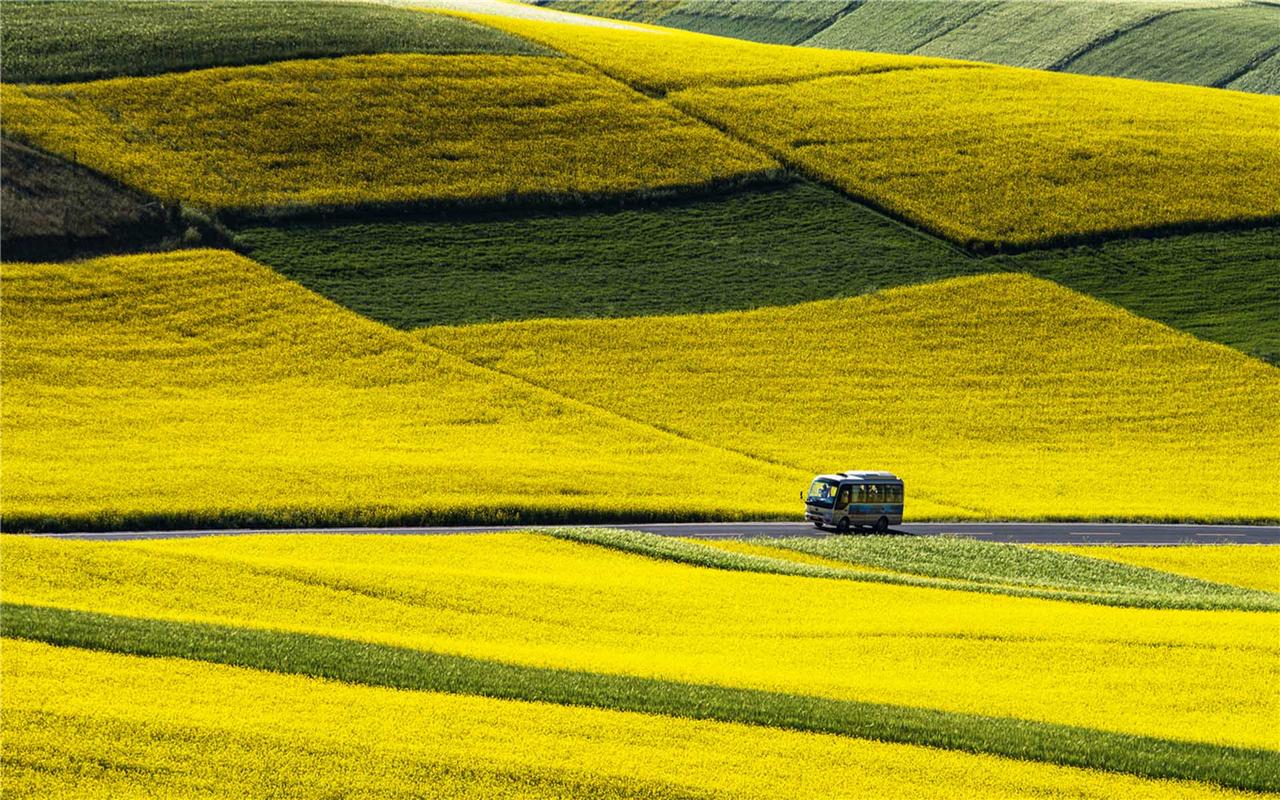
52	42
1209	47
379	129
201	389
172	715
1203	43
1251	566
1002	394
991	157
941	563
532	600
780	246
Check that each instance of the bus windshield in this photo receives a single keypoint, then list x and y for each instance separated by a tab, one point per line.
822	492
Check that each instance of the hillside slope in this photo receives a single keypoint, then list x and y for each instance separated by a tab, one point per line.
992	157
1204	42
201	389
1002	394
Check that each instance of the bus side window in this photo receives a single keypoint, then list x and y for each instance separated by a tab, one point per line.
862	494
842	501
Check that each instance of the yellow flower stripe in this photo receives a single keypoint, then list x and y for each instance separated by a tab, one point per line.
529	599
388	128
201	388
1251	566
983	154
1004	395
1021	157
664	59
85	724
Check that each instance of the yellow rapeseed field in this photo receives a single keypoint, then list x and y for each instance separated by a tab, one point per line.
200	388
1008	156
1251	566
986	155
663	59
1004	396
387	128
530	599
78	723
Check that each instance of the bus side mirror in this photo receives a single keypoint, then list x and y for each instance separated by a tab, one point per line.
802	494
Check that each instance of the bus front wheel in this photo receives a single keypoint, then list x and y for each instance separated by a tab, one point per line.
882	525
842	526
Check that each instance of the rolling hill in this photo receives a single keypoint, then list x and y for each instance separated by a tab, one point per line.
1203	42
1003	395
198	388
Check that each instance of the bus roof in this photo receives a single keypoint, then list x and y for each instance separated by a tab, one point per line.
863	476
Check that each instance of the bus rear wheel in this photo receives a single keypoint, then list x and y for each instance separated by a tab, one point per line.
842	526
882	525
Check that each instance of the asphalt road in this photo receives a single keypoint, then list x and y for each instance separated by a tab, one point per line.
1027	532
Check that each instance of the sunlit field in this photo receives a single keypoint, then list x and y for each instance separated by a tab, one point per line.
378	129
988	156
200	388
996	396
418	398
504	616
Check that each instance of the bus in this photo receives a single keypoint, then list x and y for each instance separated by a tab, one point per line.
854	500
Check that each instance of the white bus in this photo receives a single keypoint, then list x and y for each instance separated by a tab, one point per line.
848	500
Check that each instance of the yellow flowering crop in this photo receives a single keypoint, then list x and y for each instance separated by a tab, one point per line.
200	388
982	154
1009	156
1251	566
999	396
377	129
665	59
530	599
86	724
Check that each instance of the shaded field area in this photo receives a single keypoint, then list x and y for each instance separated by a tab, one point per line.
1055	398
779	246
55	209
56	42
440	648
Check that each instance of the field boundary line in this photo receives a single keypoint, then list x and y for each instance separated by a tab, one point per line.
1061	64
777	463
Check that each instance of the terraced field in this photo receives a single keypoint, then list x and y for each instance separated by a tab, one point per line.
470	628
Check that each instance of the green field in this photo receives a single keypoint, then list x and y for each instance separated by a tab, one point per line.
46	41
758	20
1263	78
765	247
1210	47
1213	43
